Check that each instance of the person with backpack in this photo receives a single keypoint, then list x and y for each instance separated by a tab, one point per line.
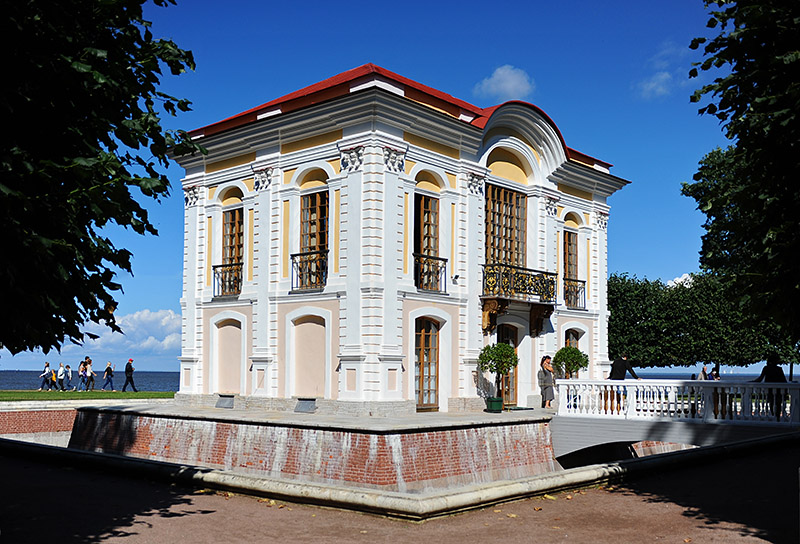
46	377
129	376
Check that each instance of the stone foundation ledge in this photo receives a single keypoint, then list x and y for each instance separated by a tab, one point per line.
389	408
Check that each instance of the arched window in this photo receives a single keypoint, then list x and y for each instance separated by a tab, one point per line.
505	226
228	275
572	337
429	268
426	364
574	289
311	264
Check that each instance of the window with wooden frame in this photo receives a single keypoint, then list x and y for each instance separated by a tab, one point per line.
426	365
571	338
505	226
570	255
233	236
426	223
314	222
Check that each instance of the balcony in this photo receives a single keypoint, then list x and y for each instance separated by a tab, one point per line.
309	270
517	283
430	273
227	279
575	294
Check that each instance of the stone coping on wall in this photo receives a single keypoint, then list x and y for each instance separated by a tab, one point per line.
26	405
422	422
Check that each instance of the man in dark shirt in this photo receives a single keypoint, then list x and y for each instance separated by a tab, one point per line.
129	376
620	367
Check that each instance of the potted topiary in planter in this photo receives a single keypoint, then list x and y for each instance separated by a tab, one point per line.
569	360
498	359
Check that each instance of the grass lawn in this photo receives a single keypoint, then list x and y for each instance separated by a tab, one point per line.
6	396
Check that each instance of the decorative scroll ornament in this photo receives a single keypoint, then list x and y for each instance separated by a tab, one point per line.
602	221
352	159
191	195
262	178
475	184
552	207
394	160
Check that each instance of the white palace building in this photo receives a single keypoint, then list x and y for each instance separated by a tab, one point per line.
357	242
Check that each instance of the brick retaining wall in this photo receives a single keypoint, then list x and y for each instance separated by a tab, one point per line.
36	421
405	461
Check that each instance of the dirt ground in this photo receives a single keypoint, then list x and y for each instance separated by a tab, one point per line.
736	500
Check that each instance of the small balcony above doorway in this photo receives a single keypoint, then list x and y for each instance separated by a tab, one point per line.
506	283
309	270
227	279
430	273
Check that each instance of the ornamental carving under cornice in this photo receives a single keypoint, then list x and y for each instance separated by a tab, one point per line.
394	160
475	184
191	195
551	206
602	221
352	159
262	178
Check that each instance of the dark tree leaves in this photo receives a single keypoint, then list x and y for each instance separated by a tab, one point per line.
750	192
81	114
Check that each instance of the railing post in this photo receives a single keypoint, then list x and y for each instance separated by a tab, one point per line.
708	403
630	401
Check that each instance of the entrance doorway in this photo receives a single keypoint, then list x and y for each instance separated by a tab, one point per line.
426	365
507	334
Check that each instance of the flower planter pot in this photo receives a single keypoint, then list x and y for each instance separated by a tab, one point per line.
494	405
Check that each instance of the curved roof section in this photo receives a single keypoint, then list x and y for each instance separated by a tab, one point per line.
371	75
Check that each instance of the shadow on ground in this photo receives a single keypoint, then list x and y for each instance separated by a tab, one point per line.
45	502
758	490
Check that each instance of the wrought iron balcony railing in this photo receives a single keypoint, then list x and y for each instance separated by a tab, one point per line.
430	273
227	279
309	270
515	282
575	294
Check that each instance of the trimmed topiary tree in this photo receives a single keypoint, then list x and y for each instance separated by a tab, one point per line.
570	360
498	359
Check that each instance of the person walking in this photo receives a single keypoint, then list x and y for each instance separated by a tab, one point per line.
46	377
82	376
546	381
90	374
129	376
61	374
108	376
68	372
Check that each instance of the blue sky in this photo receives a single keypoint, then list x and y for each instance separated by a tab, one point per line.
612	75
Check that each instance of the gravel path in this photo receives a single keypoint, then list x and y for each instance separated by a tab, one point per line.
736	500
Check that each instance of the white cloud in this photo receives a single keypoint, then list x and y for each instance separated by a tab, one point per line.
658	85
685	279
506	83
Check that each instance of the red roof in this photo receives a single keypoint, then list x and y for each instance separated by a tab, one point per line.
339	85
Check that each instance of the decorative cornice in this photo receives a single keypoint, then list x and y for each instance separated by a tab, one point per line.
352	158
394	160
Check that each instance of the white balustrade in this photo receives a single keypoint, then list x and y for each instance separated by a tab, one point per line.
681	400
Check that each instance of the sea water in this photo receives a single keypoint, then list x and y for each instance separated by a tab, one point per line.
145	381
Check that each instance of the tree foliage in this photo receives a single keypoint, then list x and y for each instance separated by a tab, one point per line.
749	192
498	359
691	322
570	360
82	138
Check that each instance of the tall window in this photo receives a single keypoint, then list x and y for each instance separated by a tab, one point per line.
426	238
505	226
232	236
426	365
314	222
570	255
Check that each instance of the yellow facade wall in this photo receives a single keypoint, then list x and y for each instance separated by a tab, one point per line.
430	145
313	141
566	189
230	163
285	240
